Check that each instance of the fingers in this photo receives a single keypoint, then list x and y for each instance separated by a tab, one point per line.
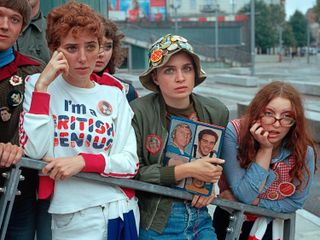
202	201
9	154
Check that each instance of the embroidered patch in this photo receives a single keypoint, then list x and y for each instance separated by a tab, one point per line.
15	80
14	98
153	143
5	114
105	108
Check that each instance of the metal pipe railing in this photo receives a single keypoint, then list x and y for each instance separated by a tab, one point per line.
233	231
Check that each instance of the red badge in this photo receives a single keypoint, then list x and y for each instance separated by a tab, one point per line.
153	143
105	108
273	195
286	189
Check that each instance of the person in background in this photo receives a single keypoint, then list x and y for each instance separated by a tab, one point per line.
32	40
77	125
14	67
110	58
174	70
270	160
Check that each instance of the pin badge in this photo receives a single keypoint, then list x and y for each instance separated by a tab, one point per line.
15	80
5	114
153	143
14	98
286	189
105	108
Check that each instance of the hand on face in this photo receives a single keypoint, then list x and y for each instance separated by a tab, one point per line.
260	135
57	65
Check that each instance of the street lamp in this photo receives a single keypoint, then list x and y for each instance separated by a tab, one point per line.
216	30
253	39
175	5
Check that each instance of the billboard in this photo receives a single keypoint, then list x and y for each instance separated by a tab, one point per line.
137	10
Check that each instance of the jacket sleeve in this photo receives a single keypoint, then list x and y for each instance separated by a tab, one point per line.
151	169
36	125
296	201
122	162
244	183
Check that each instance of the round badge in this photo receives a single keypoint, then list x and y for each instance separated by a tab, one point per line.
105	108
153	143
272	195
14	98
286	189
15	80
156	55
5	114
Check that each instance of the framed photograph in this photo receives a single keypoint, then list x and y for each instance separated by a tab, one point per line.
189	141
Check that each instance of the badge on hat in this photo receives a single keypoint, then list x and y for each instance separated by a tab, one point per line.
14	98
105	108
15	80
153	143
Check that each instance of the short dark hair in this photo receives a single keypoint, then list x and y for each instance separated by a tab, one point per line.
208	132
21	6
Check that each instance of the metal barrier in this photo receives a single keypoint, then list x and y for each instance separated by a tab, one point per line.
233	231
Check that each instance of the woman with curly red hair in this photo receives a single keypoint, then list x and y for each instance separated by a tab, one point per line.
77	125
270	155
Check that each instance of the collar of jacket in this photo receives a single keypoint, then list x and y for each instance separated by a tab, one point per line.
12	68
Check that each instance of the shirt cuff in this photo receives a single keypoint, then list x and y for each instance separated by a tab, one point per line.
167	175
93	162
40	103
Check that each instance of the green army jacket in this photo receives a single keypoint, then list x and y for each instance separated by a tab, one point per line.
149	121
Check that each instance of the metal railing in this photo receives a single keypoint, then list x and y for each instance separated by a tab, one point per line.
13	177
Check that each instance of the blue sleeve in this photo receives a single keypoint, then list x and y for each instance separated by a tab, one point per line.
296	201
244	183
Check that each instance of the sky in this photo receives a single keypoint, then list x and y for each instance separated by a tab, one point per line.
301	5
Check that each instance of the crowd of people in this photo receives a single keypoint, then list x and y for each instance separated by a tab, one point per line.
60	102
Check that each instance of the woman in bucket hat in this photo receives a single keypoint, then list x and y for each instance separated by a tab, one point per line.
174	70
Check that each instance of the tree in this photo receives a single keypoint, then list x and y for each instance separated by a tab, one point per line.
299	25
267	22
316	10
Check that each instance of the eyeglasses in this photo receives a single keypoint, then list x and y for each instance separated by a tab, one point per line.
285	121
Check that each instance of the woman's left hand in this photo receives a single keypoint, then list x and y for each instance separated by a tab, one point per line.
203	201
64	167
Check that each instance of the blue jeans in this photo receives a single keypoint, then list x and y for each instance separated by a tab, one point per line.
185	222
22	220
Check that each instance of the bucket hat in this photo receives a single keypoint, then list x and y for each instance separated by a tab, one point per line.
159	54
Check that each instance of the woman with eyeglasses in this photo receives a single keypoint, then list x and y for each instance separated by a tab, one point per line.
110	58
174	70
270	158
77	125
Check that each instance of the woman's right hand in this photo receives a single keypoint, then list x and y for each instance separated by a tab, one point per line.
260	135
206	169
57	65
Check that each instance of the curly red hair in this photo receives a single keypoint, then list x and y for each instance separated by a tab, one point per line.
297	139
75	17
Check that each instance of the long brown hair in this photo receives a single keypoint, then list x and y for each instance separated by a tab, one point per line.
297	139
112	32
